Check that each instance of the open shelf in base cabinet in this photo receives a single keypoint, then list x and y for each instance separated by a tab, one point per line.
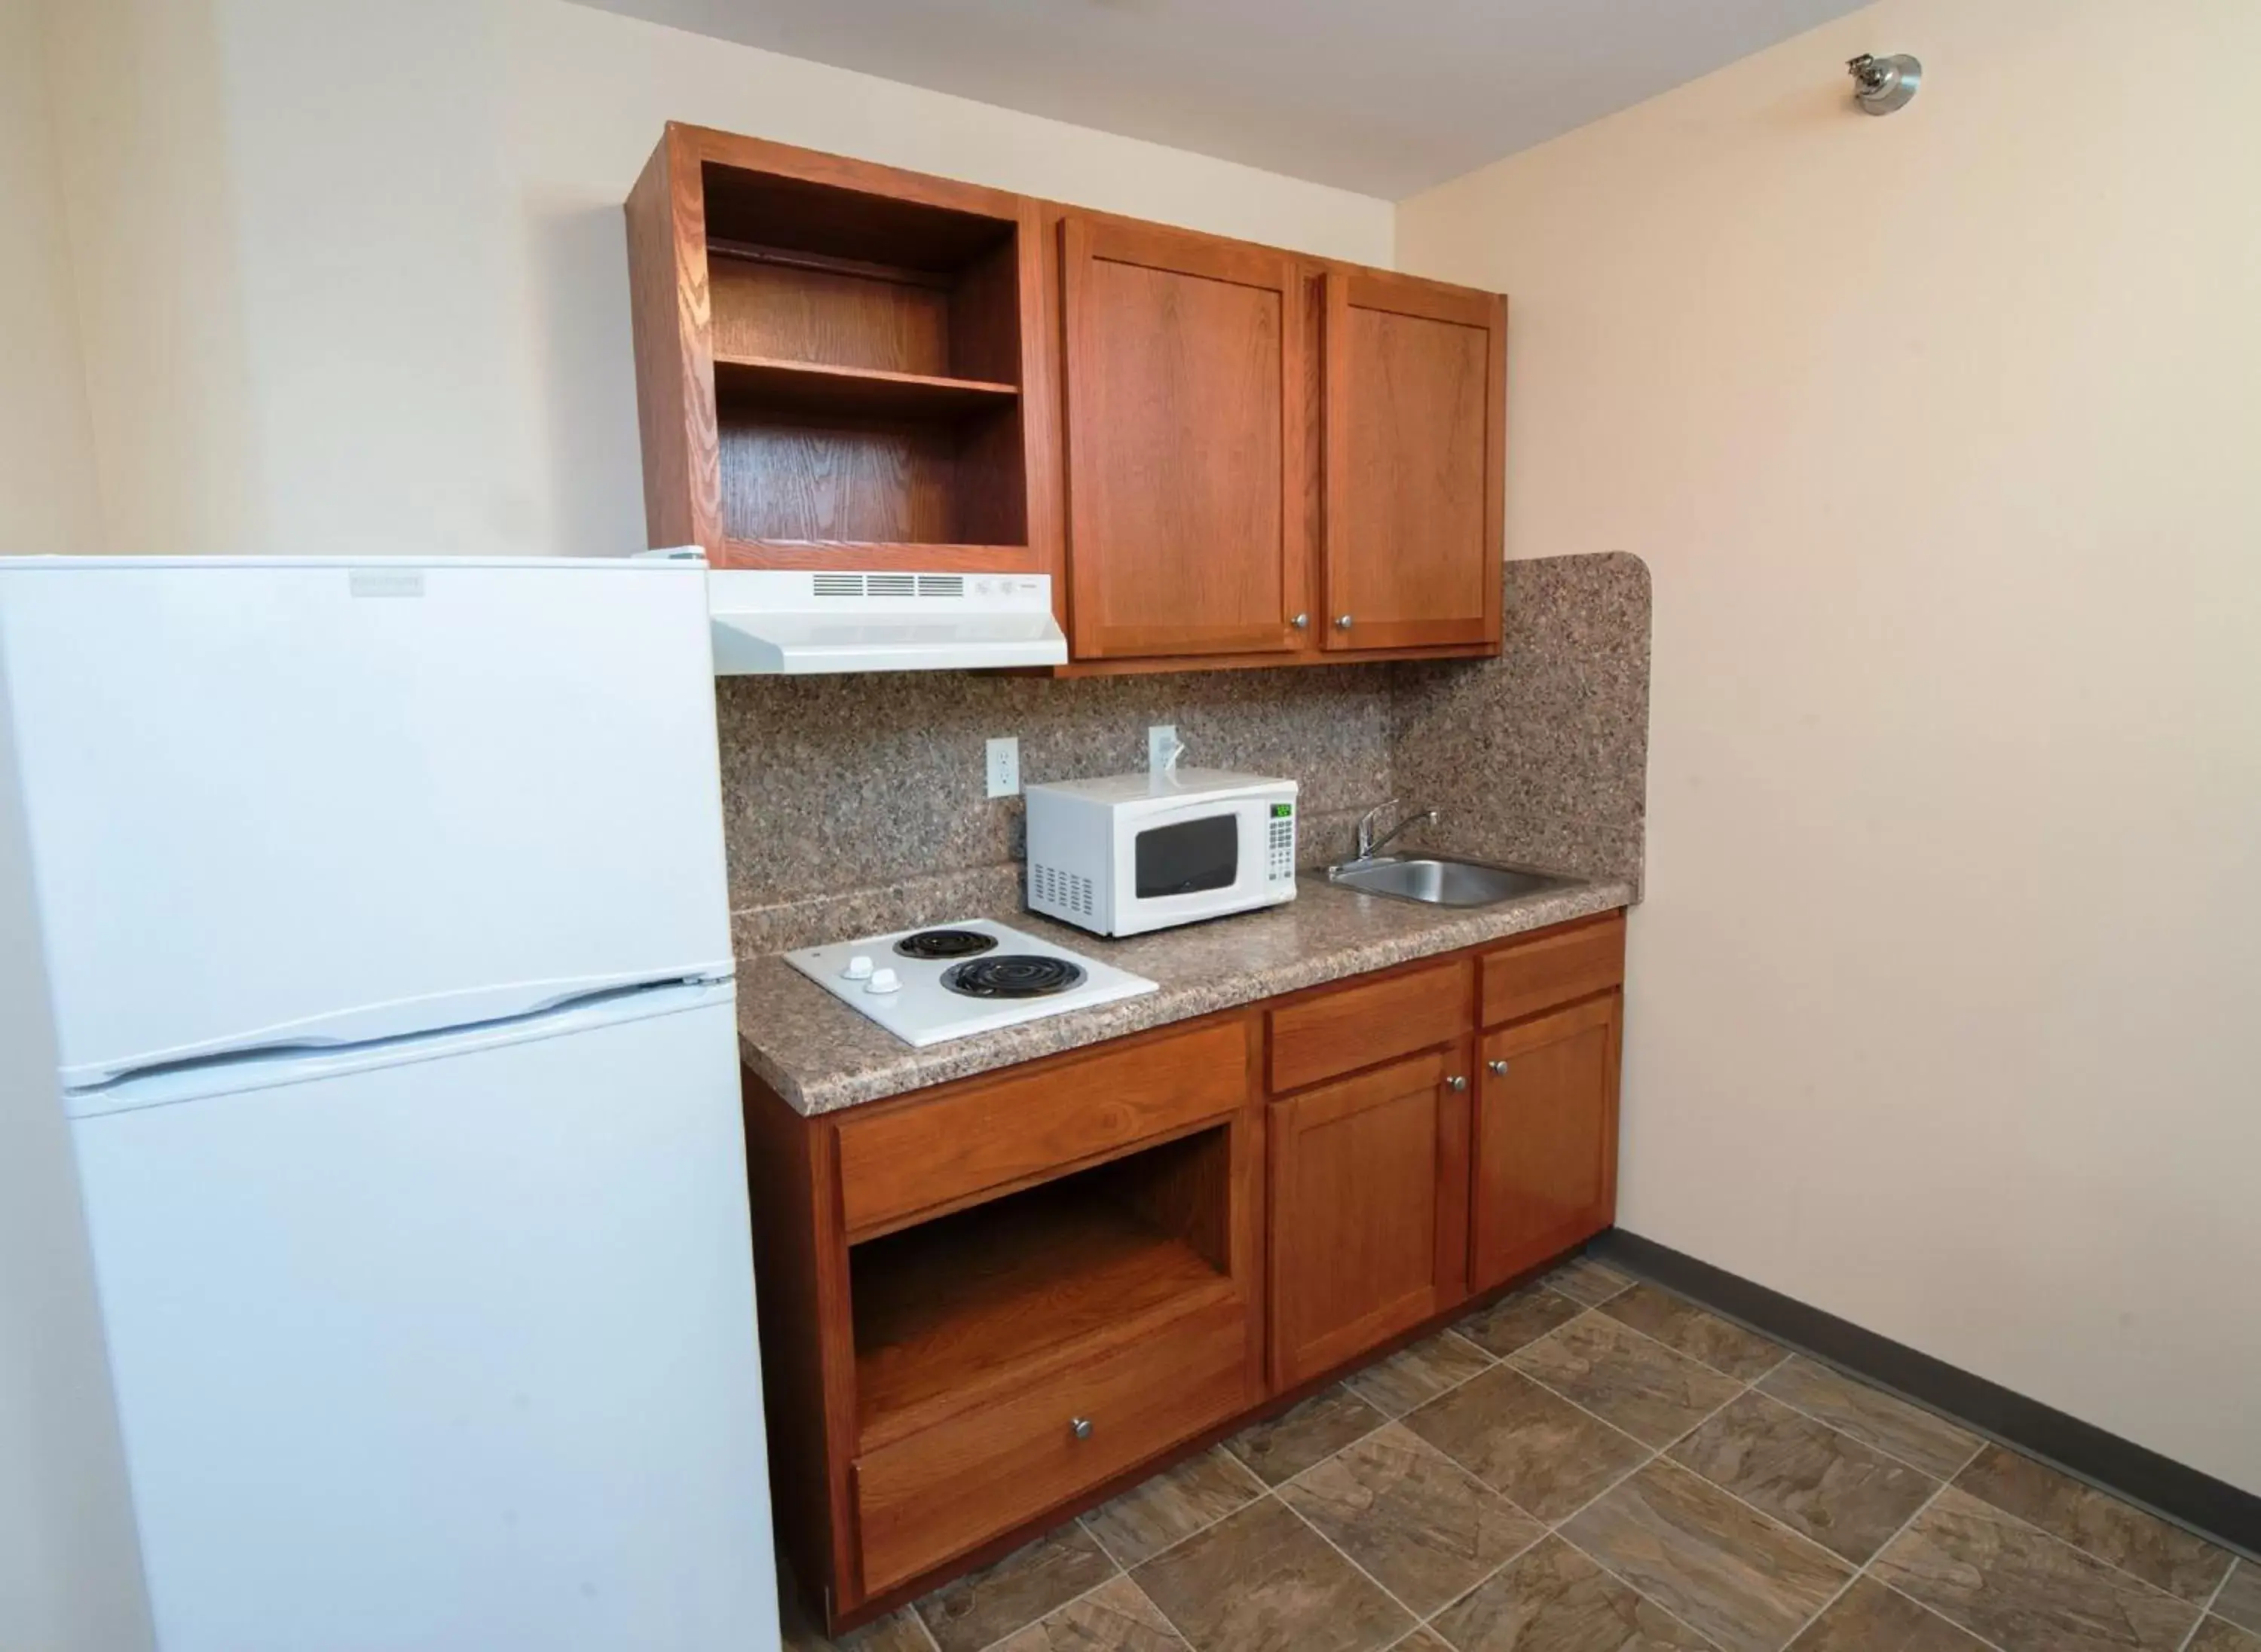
975	1302
853	361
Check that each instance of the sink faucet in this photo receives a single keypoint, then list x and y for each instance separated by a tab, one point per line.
1369	846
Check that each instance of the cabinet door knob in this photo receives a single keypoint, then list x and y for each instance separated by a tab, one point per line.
1456	1082
1342	622
1081	1427
1302	622
1498	1069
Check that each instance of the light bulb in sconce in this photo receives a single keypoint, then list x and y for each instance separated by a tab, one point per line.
1882	84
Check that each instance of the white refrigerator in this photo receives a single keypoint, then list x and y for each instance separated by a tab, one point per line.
382	916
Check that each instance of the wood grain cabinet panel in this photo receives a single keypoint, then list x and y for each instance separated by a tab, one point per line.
1359	1025
1363	1244
1186	360
940	1492
1554	967
1415	379
1546	1138
1002	1132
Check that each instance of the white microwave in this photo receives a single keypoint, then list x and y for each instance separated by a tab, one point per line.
1134	852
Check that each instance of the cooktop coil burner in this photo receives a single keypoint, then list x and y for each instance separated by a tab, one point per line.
946	943
1012	976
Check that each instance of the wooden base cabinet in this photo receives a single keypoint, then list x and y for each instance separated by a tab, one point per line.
1546	1138
1365	1239
991	1304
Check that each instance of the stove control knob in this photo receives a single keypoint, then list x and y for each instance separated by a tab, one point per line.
883	981
860	968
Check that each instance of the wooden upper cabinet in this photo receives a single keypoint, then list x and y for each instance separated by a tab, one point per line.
1221	453
1415	383
839	365
1187	454
1546	1138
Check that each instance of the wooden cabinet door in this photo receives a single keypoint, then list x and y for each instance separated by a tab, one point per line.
1370	1209
1546	1138
1415	400
1188	457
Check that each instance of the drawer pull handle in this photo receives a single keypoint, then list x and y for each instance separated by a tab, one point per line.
1079	1426
1498	1069
1456	1082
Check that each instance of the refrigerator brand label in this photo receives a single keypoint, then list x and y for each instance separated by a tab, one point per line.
386	582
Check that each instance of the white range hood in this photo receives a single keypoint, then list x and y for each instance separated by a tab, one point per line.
774	621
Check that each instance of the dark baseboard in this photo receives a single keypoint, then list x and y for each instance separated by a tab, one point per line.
2213	1508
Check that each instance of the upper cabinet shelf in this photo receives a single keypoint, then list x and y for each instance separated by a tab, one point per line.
1225	455
837	365
816	387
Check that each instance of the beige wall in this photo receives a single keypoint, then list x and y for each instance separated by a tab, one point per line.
47	499
354	276
1942	436
68	1572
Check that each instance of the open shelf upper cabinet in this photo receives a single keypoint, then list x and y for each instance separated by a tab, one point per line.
1223	455
839	365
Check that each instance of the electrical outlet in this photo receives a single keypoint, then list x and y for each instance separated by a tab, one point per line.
1004	766
1161	742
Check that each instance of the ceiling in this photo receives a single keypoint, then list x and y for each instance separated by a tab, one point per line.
1383	96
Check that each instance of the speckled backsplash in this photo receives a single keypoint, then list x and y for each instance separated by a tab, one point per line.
854	803
1539	757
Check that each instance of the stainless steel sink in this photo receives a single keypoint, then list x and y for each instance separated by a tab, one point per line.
1439	880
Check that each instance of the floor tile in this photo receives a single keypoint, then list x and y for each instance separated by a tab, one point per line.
2219	1634
1415	1375
1173	1505
1417	1523
1584	1280
1845	1496
1523	1316
899	1631
1892	1426
1738	1577
1871	1618
1626	1379
1262	1581
1554	1599
1538	1449
987	1604
2164	1556
2021	1589
1291	1442
1685	1327
1115	1617
2240	1599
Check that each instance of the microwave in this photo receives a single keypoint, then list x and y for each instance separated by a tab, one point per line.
1134	852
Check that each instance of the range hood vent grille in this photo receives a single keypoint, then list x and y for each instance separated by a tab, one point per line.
887	585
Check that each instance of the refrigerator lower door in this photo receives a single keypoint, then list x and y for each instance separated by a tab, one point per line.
453	1353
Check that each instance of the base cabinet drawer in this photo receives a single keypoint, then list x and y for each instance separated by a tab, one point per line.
954	1486
897	1162
1553	967
1352	1027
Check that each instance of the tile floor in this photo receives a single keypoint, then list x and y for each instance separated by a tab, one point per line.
1594	1465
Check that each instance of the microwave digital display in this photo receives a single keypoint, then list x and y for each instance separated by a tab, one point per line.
1188	858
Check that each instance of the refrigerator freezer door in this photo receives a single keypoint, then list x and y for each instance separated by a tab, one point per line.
320	802
453	1353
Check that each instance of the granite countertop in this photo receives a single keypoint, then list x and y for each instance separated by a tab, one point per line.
822	1056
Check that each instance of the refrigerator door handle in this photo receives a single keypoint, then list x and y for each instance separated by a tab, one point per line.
193	1081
